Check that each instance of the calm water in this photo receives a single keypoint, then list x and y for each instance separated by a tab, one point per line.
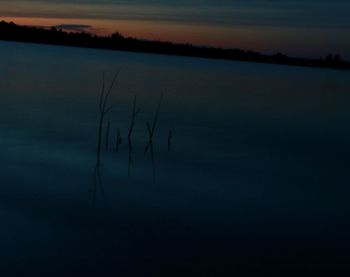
257	181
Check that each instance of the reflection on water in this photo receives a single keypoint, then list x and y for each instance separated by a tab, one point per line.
97	180
104	109
131	129
257	175
97	184
151	132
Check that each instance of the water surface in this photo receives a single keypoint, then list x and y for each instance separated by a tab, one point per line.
256	182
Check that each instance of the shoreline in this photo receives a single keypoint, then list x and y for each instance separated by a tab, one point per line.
12	32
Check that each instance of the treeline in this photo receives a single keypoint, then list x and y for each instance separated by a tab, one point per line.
13	32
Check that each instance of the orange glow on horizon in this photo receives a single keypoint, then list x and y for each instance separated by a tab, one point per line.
264	28
267	40
152	30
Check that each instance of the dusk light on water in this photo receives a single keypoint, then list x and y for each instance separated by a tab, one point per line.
163	138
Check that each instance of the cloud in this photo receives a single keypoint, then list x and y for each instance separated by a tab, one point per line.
284	13
74	27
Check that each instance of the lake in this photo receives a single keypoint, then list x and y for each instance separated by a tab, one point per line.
256	181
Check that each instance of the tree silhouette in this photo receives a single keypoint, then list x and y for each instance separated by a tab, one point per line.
13	32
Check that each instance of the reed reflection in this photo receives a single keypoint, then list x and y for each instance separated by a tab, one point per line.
105	128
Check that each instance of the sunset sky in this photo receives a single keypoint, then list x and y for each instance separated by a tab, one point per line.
310	28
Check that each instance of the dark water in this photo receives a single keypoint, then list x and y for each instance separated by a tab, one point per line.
257	182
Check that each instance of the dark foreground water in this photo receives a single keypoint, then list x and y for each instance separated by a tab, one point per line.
257	182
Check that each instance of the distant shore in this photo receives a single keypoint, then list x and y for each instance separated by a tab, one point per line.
13	32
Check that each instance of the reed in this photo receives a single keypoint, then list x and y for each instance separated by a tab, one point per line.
133	116
118	141
104	110
169	139
152	130
131	129
152	154
107	135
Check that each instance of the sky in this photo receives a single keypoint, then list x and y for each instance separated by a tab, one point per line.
306	28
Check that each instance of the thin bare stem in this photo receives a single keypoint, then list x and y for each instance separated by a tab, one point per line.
105	98
103	110
102	92
131	129
151	133
152	155
133	116
169	139
130	161
107	135
118	142
97	184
